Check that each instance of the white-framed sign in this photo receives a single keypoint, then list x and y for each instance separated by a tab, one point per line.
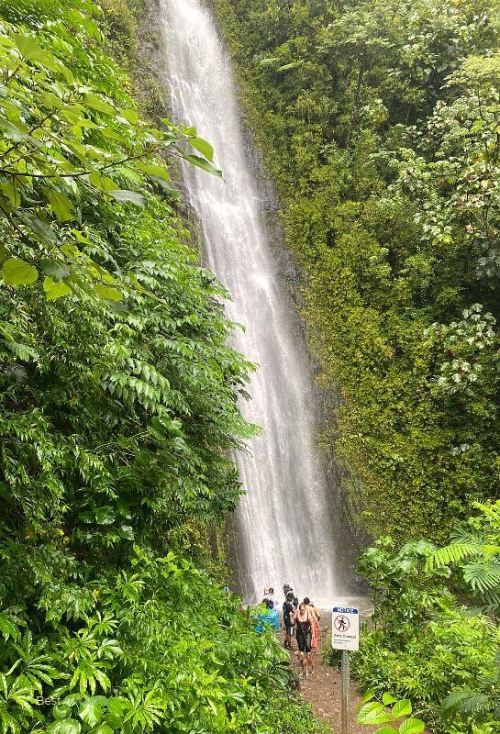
345	628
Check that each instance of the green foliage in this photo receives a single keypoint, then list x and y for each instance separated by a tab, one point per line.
118	414
389	709
158	648
475	549
379	126
66	143
423	645
121	29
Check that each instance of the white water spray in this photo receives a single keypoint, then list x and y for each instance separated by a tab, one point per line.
284	531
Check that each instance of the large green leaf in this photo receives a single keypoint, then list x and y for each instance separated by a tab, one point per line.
68	726
15	132
412	726
402	708
117	708
152	169
11	190
7	627
61	711
388	698
127	196
99	104
38	226
61	204
126	532
107	292
18	272
103	183
373	713
90	712
203	163
368	695
54	268
203	147
104	515
30	49
55	288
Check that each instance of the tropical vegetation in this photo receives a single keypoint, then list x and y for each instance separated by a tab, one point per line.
118	415
424	642
378	124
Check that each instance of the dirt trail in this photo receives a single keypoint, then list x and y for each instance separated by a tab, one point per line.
322	690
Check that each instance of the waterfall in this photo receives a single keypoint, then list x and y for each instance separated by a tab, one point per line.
284	525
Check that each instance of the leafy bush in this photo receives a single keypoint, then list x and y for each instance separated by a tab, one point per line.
156	647
389	710
421	644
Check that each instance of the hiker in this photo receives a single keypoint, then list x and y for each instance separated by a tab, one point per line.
303	634
315	617
267	618
288	610
287	589
269	595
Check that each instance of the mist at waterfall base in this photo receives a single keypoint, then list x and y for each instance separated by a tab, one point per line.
286	529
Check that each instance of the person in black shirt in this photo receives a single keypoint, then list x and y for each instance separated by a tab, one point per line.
288	609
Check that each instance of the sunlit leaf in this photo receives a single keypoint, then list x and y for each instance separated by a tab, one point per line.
373	713
402	708
18	272
30	49
90	712
412	726
368	695
203	147
55	288
387	699
99	104
11	191
67	726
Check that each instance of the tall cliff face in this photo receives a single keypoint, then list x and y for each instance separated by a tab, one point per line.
377	125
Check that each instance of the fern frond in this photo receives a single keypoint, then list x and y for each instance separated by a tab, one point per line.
482	577
453	699
474	704
492	601
466	701
453	553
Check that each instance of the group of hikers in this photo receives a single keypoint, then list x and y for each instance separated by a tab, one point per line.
301	620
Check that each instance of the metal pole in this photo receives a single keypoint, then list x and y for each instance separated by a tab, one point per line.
344	668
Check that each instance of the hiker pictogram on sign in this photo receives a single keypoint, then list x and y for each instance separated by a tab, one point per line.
341	623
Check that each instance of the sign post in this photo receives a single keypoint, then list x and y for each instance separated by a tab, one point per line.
345	637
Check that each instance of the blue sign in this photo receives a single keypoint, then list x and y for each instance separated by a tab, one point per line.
345	610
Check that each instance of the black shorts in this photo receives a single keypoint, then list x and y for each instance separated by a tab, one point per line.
288	628
304	641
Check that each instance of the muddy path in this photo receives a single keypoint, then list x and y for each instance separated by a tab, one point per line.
322	690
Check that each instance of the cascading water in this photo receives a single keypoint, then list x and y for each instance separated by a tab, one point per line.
284	531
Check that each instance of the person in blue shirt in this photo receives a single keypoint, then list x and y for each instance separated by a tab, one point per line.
268	618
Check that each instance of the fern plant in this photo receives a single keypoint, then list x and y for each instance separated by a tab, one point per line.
472	703
475	549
